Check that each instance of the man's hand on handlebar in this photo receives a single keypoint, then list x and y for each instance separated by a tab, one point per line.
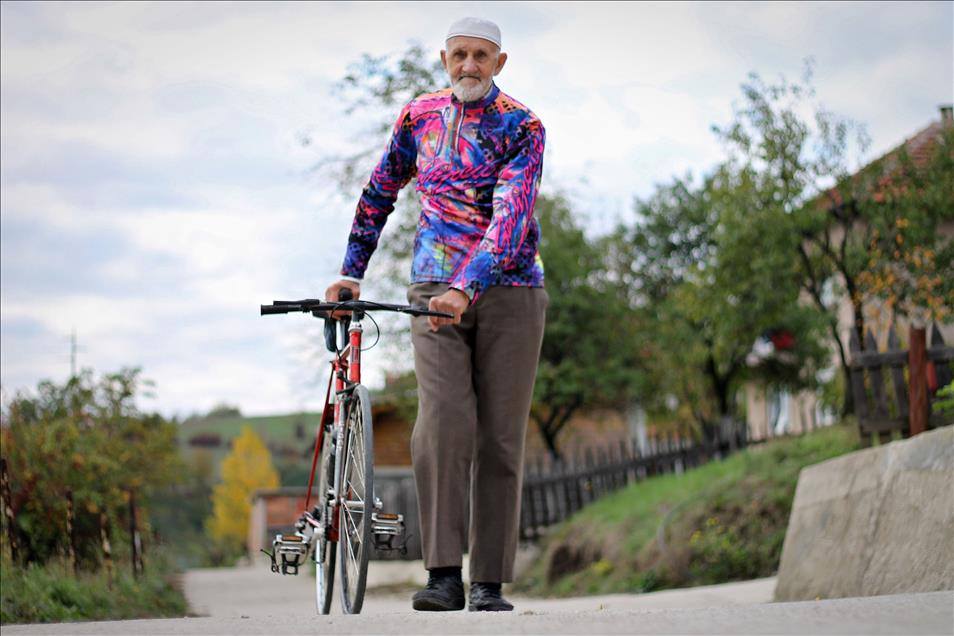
453	301
331	295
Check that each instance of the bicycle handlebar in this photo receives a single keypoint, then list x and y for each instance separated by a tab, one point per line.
316	305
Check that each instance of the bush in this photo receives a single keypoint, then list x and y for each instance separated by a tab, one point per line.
945	401
86	438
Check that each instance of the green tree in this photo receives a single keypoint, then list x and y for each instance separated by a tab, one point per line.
592	346
87	437
799	155
712	266
223	409
247	468
178	513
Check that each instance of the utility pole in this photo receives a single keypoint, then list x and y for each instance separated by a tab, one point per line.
73	353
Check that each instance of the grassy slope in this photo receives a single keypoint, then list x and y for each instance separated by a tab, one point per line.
721	522
52	593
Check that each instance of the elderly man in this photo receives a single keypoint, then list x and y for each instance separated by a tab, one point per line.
477	154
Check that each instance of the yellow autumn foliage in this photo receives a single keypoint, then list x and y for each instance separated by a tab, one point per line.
244	470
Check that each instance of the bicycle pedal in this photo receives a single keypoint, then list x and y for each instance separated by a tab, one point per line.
387	523
289	552
386	528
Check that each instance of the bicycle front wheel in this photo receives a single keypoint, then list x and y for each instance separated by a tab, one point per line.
357	504
324	549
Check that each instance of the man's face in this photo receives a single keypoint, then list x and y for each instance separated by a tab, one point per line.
471	64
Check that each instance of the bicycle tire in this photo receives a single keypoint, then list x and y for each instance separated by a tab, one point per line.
357	485
325	550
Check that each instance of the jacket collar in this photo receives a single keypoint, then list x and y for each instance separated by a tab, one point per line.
484	101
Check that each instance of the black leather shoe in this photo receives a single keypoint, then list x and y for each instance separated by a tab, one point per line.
443	593
485	597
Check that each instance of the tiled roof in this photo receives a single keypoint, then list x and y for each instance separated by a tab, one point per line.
919	147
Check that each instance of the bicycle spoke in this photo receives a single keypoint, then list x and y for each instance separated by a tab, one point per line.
354	565
352	485
354	558
353	525
356	461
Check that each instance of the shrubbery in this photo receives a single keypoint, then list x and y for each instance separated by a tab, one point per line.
84	442
86	438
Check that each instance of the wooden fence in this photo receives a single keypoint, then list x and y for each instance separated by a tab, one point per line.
555	490
880	387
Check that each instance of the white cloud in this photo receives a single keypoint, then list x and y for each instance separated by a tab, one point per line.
151	174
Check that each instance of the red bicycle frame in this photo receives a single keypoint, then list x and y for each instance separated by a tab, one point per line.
345	370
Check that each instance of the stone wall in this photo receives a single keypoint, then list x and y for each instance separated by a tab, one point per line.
877	521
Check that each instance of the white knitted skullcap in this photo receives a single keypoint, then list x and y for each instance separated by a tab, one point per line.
475	28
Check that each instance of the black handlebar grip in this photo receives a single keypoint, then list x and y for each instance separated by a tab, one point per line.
345	294
283	309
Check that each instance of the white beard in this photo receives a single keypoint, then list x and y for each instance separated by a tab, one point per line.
471	92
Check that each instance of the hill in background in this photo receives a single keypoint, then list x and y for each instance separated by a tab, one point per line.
289	439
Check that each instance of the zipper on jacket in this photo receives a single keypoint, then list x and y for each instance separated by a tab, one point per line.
460	124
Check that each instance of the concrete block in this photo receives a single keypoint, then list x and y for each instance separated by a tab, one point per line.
877	521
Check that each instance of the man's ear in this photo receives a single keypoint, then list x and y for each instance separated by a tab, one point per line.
501	60
444	59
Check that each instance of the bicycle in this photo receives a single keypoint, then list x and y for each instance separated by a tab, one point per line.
343	461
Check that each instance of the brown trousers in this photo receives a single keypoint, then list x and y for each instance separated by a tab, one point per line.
475	384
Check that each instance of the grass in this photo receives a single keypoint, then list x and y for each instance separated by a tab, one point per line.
52	593
724	521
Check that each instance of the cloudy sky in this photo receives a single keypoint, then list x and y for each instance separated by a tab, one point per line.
154	191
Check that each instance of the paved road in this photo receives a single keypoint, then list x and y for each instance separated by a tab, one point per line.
255	592
253	601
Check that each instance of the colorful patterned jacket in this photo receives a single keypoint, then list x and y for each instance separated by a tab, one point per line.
478	168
